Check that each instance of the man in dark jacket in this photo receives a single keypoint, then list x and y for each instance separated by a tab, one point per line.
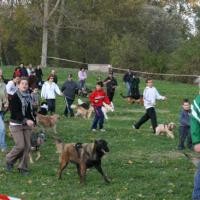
69	90
127	80
23	70
111	84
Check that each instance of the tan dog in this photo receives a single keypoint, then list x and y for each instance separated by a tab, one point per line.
46	121
83	112
84	155
166	129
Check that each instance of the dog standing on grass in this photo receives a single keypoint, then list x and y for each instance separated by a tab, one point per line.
166	129
84	155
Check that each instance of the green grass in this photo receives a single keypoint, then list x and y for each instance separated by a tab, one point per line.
140	164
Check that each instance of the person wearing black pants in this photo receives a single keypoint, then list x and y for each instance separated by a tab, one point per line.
111	84
69	90
150	96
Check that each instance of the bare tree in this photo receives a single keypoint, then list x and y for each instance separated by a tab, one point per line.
46	17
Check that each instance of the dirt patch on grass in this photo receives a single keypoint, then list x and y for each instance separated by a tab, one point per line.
171	155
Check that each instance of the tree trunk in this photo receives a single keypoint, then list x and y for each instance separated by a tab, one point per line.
45	35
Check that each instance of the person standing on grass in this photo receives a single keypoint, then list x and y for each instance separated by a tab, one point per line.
150	96
111	84
39	75
127	80
69	90
97	98
82	76
195	132
21	123
49	91
3	107
184	129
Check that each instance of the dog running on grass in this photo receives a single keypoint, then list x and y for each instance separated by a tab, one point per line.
132	100
47	121
166	129
84	155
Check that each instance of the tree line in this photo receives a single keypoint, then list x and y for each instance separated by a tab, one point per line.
150	35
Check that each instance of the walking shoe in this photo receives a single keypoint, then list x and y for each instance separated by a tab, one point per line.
94	130
9	167
102	130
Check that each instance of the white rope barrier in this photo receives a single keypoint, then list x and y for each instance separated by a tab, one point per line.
125	70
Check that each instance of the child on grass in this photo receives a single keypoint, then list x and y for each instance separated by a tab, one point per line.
184	129
97	98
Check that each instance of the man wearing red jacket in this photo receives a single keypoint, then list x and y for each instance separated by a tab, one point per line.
97	98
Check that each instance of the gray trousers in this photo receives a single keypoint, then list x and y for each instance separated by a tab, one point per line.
22	138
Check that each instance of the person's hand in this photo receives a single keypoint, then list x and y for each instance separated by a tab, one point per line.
29	123
5	105
96	101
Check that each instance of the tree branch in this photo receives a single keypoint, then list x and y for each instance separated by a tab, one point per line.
54	9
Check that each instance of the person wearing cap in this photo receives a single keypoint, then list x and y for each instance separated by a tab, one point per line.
49	91
195	133
111	84
97	98
69	90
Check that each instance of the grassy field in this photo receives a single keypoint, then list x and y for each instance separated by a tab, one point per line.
140	164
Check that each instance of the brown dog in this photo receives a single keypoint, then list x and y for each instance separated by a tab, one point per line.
85	156
83	112
46	121
166	129
132	100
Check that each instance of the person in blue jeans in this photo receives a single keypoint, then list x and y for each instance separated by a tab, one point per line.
3	107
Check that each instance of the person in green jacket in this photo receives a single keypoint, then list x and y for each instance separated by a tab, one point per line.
195	132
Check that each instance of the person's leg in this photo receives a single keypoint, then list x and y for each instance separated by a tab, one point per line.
152	114
101	118
189	138
53	102
182	137
16	152
3	144
49	104
69	103
142	120
196	191
66	108
27	145
96	119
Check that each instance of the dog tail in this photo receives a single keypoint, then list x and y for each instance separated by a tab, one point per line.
195	161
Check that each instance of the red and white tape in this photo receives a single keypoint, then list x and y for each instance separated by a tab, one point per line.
5	197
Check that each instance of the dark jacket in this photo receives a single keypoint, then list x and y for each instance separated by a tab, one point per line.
111	83
16	115
127	77
184	118
69	89
23	72
39	74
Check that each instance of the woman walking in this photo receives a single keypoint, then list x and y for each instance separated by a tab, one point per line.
21	122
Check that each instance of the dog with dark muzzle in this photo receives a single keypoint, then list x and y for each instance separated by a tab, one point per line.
84	155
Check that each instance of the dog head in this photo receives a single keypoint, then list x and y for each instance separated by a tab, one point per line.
171	126
101	147
37	139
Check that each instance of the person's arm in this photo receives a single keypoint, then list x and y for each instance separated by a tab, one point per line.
158	96
184	119
57	90
8	87
43	91
63	87
92	98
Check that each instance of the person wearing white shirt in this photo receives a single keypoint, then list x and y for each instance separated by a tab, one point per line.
82	76
150	95
11	86
49	91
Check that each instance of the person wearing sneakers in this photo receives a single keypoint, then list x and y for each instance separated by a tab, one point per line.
97	98
3	108
150	95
